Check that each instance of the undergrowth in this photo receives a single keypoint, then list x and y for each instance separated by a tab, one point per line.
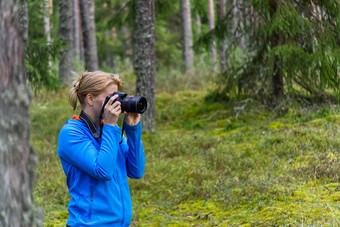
213	164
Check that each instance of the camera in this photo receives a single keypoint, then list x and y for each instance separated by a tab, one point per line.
136	104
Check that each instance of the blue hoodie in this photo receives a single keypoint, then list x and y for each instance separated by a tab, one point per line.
97	171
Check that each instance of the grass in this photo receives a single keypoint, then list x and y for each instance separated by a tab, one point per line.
213	164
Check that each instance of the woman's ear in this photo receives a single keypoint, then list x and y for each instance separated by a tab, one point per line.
89	99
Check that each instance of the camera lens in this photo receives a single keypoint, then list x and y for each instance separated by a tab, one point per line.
141	105
135	104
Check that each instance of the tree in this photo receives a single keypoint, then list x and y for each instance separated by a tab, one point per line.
198	23
144	58
77	31
276	41
89	34
291	48
222	41
186	35
211	22
42	47
47	22
16	155
65	33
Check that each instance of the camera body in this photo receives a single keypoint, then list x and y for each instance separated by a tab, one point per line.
136	104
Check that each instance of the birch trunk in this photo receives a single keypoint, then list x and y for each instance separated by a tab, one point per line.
47	24
17	159
144	58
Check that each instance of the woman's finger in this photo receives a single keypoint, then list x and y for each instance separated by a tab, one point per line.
112	99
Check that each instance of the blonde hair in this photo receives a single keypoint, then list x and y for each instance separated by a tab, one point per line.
91	83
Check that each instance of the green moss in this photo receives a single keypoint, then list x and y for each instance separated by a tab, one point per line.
333	118
209	165
275	125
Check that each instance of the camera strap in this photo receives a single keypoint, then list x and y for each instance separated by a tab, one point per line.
91	125
121	140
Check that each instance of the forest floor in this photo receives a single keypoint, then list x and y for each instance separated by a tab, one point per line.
213	164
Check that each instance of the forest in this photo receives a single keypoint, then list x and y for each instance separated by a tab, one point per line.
243	110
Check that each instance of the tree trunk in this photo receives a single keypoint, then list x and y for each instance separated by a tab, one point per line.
47	24
76	31
89	35
222	42
211	23
144	58
186	35
65	34
277	75
198	24
17	159
241	18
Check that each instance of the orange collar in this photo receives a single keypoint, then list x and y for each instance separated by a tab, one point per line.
75	117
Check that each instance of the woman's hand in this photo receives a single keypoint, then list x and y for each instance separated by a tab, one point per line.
112	111
132	118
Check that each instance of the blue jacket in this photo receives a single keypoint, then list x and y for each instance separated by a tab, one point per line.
97	171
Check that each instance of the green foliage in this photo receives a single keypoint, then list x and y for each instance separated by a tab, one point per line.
40	55
302	37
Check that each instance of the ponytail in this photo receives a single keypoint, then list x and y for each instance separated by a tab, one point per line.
73	98
91	83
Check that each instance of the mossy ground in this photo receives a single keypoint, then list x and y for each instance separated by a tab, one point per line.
209	164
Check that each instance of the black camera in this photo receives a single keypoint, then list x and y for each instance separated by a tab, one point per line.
136	104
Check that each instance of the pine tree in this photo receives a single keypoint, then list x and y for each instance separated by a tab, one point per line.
16	155
222	41
89	36
290	46
211	23
144	58
186	34
65	34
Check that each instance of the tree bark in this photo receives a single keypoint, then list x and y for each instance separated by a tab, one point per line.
17	159
222	42
144	58
47	24
89	35
65	34
76	31
211	23
237	25
198	24
277	75
186	35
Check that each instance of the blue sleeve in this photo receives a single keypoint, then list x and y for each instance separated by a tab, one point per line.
134	151
76	148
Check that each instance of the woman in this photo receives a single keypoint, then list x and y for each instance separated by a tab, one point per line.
97	167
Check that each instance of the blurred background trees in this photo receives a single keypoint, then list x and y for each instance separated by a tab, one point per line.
267	49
